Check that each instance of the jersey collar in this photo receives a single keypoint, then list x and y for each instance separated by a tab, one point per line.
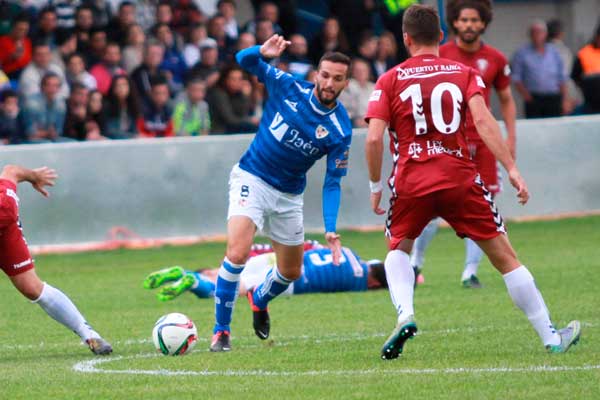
318	107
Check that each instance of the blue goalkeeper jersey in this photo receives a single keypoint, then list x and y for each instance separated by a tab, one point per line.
295	131
320	275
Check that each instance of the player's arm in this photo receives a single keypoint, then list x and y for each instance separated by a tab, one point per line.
489	131
374	155
509	115
251	59
39	177
337	166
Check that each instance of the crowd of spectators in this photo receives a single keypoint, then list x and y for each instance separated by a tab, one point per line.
110	69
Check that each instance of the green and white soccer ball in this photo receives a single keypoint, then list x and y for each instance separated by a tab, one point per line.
174	334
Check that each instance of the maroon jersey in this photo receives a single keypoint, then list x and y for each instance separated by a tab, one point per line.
424	101
491	65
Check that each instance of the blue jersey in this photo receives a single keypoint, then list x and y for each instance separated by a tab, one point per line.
320	275
295	131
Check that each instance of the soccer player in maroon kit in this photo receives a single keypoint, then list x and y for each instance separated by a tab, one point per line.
469	19
16	262
423	103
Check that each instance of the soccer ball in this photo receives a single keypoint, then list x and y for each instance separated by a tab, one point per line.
174	334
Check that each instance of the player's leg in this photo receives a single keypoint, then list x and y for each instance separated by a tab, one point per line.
192	281
256	271
473	256
417	255
240	234
157	278
480	220
16	261
406	220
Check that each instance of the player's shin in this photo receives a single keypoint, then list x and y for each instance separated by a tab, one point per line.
274	284
524	293
417	256
58	306
226	293
473	257
401	278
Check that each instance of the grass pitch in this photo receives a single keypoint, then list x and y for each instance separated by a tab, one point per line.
472	344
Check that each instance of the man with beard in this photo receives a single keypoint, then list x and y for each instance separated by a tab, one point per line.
301	123
468	19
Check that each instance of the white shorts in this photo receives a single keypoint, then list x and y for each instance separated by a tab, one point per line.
278	215
256	270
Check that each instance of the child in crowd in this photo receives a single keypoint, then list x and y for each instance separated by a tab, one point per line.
191	116
156	118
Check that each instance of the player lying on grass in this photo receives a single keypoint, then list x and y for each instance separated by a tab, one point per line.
319	275
16	262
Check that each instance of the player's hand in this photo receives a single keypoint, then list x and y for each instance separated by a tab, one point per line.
335	245
375	201
42	177
519	183
274	46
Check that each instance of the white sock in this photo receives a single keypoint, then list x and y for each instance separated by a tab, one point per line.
417	256
401	280
61	308
521	288
472	259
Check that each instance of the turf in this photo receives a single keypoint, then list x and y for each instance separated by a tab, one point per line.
472	344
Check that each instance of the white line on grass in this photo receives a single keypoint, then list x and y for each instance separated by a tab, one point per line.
286	340
91	367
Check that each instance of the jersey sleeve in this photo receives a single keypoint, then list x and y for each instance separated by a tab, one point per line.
475	85
252	61
337	167
502	79
379	101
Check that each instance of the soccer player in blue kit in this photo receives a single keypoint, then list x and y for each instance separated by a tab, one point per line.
301	123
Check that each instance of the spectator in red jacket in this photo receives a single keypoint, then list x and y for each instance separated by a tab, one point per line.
156	117
16	48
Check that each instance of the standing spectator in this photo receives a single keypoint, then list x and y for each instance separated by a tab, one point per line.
538	74
65	12
331	38
84	22
12	126
45	112
76	72
229	107
208	67
108	68
264	30
66	44
101	11
16	48
586	74
266	10
191	50
385	56
156	117
149	69
126	16
95	50
120	110
296	56
356	96
556	35
173	63
31	77
46	26
216	31
190	115
133	53
227	9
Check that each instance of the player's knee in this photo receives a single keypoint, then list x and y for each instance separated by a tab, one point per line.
31	290
238	256
291	274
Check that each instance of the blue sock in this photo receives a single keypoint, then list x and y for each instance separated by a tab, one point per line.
472	259
203	288
226	293
273	285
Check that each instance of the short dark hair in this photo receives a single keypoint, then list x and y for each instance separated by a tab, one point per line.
158	80
454	8
422	24
48	76
337	57
377	271
6	94
555	28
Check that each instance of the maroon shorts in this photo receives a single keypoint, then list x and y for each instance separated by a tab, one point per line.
14	254
468	208
486	165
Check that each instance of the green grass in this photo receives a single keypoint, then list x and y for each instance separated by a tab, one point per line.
323	346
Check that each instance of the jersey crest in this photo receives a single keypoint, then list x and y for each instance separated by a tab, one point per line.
321	132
